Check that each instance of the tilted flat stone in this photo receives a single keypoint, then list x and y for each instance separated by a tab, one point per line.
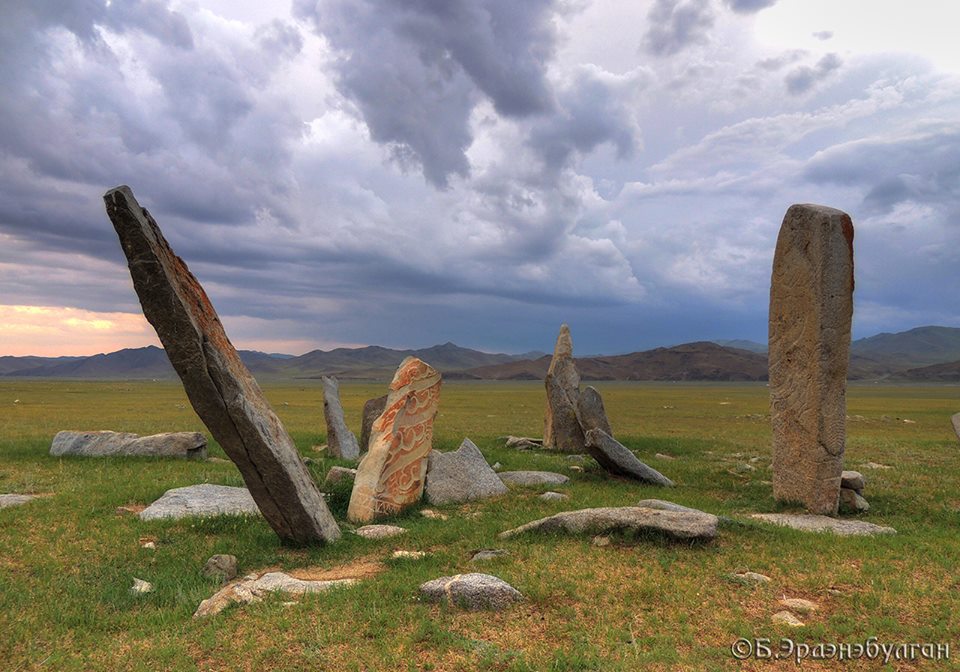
808	522
679	525
391	475
853	480
590	411
191	445
202	500
811	306
663	505
617	459
522	442
531	478
341	442
14	500
219	386
561	430
462	475
372	410
471	591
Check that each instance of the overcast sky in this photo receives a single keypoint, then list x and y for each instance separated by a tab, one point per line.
351	172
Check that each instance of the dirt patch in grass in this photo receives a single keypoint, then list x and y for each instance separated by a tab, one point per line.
361	568
130	509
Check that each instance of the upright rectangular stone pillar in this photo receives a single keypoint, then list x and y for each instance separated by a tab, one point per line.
219	386
811	307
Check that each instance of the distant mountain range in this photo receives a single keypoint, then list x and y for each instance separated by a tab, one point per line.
924	354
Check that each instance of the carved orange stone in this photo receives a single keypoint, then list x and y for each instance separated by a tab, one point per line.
391	475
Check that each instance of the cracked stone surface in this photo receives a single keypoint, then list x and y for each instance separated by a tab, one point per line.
471	591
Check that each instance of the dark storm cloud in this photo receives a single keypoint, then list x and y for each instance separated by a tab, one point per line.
748	6
417	69
923	168
674	25
804	78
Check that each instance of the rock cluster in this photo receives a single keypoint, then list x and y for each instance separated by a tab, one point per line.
811	306
575	420
851	492
191	445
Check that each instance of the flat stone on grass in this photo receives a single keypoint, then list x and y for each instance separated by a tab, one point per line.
532	478
678	525
202	500
14	500
379	531
816	523
786	618
473	592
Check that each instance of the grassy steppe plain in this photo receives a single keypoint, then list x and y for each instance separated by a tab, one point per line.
67	560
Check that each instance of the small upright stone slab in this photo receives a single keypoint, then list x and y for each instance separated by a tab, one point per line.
461	476
191	445
811	306
561	430
391	475
617	459
955	421
371	411
219	386
341	442
591	412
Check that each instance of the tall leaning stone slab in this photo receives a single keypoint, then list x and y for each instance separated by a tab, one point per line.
392	475
811	306
221	390
341	442
561	422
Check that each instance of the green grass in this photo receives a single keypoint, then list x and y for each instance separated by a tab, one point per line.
67	560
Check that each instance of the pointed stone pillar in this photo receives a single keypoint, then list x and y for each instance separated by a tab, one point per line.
811	307
561	426
220	388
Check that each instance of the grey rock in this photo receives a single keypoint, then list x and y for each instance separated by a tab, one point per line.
254	588
562	430
955	421
851	501
379	531
853	480
371	411
786	618
530	478
341	442
674	524
811	306
339	475
749	578
799	605
601	541
489	554
616	459
191	445
460	476
221	567
14	500
471	591
814	523
141	587
202	500
664	505
219	386
522	442
591	412
551	496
